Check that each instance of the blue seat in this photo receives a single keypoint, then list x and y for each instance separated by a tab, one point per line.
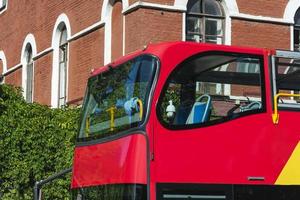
200	111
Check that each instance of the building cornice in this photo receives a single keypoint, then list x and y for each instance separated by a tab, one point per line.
43	53
12	69
259	18
139	4
86	31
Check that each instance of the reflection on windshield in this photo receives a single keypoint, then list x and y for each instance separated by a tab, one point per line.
116	99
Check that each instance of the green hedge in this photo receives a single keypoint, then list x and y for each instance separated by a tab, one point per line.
35	143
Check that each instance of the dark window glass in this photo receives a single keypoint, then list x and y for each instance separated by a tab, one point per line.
193	191
212	88
297	31
228	192
63	63
212	8
263	192
111	192
116	100
204	21
288	81
29	73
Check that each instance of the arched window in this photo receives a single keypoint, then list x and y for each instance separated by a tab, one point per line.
297	31
63	60
205	21
29	73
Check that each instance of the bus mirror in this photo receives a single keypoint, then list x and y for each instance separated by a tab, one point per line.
275	115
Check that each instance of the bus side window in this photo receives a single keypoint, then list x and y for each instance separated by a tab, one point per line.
212	88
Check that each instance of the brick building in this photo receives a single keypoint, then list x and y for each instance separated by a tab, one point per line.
50	47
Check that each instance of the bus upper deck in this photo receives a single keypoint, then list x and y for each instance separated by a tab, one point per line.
182	120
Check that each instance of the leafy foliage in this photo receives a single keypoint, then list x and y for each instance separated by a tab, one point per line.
35	143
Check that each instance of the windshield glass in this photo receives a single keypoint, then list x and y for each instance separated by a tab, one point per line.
117	99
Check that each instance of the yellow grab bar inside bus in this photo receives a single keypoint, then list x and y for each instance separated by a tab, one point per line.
275	115
87	126
141	108
111	110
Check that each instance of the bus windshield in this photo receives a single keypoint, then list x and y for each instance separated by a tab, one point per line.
116	100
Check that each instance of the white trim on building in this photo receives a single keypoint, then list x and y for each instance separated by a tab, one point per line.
31	41
290	10
4	64
61	21
106	17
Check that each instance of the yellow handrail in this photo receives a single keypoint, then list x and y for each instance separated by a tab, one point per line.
87	126
111	110
275	115
141	108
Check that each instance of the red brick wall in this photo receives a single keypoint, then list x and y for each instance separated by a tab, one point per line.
269	8
38	18
42	17
146	26
14	78
42	80
85	54
117	31
256	34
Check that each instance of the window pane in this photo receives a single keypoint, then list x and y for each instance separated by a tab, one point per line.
194	6
29	82
117	99
213	27
193	37
196	92
62	84
63	52
296	38
287	80
212	7
64	36
193	25
297	18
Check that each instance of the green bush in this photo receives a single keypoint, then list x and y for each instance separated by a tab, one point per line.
35	143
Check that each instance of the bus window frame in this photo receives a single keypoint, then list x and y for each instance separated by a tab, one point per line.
224	119
142	127
274	74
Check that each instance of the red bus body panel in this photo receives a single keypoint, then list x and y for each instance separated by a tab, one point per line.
118	162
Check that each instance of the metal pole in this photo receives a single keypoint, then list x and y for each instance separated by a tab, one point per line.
36	191
39	184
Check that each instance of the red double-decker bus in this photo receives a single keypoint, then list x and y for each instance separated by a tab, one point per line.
183	120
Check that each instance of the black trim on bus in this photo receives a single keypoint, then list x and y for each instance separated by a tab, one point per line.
124	191
139	127
224	119
181	191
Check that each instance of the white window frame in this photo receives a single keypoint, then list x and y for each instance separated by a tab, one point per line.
3	7
4	65
61	21
29	40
